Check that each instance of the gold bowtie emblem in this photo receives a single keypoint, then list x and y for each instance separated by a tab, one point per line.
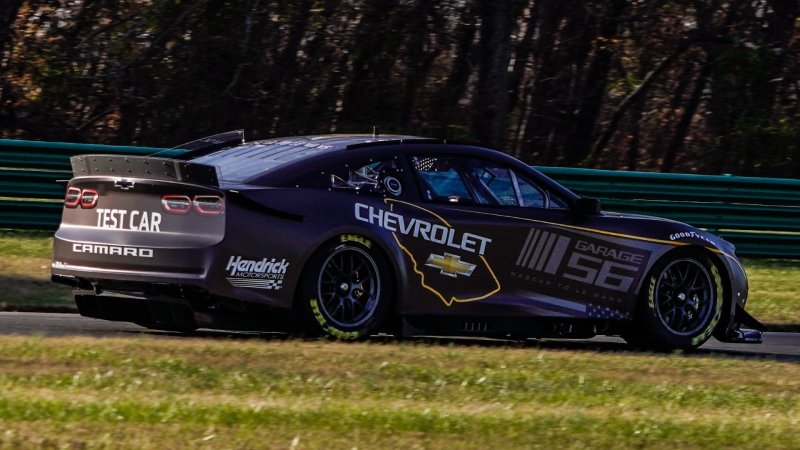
450	265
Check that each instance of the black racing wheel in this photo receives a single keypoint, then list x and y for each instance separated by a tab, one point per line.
680	303
346	290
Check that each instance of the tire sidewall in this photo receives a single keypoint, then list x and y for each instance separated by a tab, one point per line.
316	317
653	331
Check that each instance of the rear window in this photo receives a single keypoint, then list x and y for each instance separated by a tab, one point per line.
245	162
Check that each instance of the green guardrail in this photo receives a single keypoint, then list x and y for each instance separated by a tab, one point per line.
761	216
55	155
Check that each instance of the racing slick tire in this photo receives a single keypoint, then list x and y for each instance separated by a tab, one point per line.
346	291
680	303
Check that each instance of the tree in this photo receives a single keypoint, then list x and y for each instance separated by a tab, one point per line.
680	85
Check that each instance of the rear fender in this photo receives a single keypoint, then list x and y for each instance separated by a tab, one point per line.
386	245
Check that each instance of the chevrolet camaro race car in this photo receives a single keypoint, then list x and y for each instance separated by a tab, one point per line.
357	235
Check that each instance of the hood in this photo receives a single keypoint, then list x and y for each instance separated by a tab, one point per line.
663	229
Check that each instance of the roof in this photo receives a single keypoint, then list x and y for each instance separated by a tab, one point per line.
256	157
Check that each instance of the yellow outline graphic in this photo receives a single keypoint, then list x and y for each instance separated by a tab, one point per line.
453	299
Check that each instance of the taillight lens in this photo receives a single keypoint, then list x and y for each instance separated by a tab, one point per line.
176	204
73	197
89	198
209	205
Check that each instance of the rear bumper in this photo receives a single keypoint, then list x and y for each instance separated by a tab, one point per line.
72	274
97	266
130	262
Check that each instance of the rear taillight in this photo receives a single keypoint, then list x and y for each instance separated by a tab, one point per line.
209	205
89	198
176	204
73	197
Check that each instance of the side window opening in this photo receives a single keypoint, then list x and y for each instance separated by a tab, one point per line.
557	202
441	180
531	195
475	181
499	182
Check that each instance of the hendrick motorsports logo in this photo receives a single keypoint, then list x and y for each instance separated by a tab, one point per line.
267	273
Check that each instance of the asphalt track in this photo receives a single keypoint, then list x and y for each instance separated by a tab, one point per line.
782	346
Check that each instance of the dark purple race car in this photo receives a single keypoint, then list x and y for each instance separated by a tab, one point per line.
357	235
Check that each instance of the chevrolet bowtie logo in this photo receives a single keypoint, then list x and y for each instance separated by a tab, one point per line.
450	265
124	184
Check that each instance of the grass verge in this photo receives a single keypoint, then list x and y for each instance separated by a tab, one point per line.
25	273
25	276
157	393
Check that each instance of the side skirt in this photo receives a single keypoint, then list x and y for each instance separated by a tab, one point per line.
508	327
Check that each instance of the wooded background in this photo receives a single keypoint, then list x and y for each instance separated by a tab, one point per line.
704	86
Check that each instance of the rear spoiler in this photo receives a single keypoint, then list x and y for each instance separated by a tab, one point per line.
149	167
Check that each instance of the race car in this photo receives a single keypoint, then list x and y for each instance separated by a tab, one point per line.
355	235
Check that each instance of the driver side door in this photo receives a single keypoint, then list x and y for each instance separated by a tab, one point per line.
515	218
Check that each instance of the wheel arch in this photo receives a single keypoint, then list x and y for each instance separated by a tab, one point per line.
390	256
728	305
639	333
716	258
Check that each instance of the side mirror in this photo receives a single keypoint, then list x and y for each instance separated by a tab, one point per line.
586	206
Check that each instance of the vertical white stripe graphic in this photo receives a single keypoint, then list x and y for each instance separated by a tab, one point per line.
557	255
543	251
535	239
525	247
548	246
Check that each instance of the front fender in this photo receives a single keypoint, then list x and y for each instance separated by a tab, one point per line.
722	254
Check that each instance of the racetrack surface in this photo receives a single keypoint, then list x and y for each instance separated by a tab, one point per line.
783	346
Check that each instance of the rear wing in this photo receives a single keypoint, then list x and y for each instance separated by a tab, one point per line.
145	167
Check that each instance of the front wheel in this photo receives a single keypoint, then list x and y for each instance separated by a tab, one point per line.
346	289
680	304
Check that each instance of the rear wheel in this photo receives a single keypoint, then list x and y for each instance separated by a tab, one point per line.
346	290
680	304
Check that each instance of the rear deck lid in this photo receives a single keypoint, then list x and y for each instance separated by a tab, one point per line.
122	204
